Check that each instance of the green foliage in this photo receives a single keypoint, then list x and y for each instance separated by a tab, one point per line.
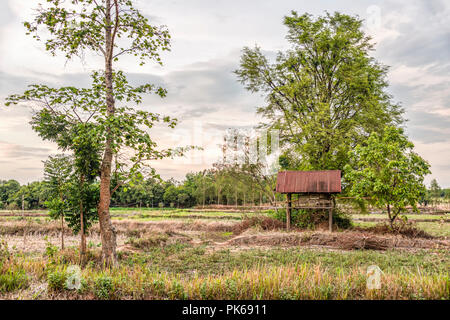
386	170
82	197
7	191
104	114
435	189
80	25
325	94
51	251
34	195
56	280
104	287
56	208
177	291
57	172
310	219
13	279
71	182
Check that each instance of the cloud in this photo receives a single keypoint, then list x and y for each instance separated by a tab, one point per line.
413	39
19	152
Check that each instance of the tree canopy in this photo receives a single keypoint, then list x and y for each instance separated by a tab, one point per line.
107	110
388	171
325	94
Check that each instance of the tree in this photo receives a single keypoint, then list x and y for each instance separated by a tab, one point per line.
387	171
447	193
72	179
113	29
7	191
325	94
435	189
32	194
171	195
57	173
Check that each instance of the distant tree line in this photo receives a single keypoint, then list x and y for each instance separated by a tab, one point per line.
220	185
223	186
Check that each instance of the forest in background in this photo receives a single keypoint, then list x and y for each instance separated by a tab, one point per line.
224	186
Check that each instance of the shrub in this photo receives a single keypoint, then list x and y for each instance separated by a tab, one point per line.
104	287
51	250
4	252
56	280
311	219
13	280
177	291
159	287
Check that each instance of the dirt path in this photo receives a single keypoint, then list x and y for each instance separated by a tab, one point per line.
38	243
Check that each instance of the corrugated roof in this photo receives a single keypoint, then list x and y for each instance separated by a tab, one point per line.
327	181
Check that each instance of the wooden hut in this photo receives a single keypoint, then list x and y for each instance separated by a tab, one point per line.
315	190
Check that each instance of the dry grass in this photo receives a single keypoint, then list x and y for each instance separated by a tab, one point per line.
407	230
261	222
304	281
348	240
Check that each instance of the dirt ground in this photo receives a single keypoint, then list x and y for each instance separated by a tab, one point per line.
212	234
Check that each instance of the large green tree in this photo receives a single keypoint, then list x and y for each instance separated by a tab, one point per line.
325	94
112	29
386	170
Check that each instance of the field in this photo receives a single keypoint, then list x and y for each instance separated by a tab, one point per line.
198	254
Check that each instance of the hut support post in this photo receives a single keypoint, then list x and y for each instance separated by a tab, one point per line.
330	220
288	211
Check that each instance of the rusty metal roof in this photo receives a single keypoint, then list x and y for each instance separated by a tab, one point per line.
328	181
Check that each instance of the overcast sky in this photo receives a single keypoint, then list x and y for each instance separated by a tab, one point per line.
413	38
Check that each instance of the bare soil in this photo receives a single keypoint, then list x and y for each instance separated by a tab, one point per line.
349	240
32	236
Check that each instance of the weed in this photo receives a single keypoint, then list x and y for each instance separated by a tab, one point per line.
13	279
104	287
56	280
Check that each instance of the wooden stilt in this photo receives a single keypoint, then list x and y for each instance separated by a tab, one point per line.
288	212
330	220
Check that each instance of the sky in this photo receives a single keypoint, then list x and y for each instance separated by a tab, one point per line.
412	38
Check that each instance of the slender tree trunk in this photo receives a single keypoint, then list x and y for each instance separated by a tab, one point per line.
62	222
391	219
107	231
83	237
204	195
62	232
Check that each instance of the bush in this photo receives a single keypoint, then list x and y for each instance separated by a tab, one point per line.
104	287
4	252
57	280
177	291
311	219
13	280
